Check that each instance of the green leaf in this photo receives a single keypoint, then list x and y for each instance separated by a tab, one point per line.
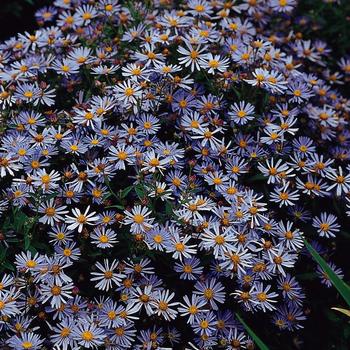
257	340
116	206
257	177
169	208
339	284
26	242
126	191
140	191
8	265
344	311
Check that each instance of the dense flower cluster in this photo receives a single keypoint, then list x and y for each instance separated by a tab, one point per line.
159	167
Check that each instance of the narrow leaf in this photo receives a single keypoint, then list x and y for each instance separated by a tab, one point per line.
344	311
339	284
257	340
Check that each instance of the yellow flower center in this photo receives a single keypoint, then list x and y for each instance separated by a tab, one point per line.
87	336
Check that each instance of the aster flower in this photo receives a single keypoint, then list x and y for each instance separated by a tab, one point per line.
88	334
27	340
242	113
56	294
191	307
52	212
212	291
190	268
214	63
191	56
279	260
326	225
163	305
220	239
324	276
204	323
283	196
263	298
138	219
79	219
104	238
341	181
108	276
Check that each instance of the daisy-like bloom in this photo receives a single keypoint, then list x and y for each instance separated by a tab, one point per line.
170	129
260	76
214	63
163	306
157	238
8	164
304	146
291	238
52	212
108	275
80	55
65	67
160	190
183	102
241	113
216	179
299	92
148	56
63	335
275	171
205	323
104	238
322	166
324	276
200	8
87	13
123	335
191	56
6	281
46	181
341	181
60	235
109	314
289	286
192	307
139	219
237	261
57	294
245	297
28	93
135	72
88	334
127	92
236	339
68	252
284	196
28	263
178	244
153	162
8	304
207	137
212	291
326	225
79	219
143	298
280	259
283	5
220	239
190	269
26	341
263	298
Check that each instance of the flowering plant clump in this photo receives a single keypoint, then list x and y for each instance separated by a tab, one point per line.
163	165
